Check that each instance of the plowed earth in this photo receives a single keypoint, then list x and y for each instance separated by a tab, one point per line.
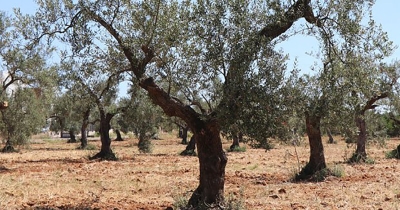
52	174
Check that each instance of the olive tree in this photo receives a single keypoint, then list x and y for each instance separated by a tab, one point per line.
215	51
27	80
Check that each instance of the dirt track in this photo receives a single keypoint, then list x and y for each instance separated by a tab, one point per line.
54	174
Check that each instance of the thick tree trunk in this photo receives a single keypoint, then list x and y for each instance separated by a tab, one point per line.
119	137
105	152
190	148
72	137
184	134
317	157
361	153
212	159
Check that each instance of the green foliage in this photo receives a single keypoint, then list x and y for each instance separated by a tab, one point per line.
88	147
238	149
145	145
141	117
260	144
394	153
337	171
180	202
24	116
358	158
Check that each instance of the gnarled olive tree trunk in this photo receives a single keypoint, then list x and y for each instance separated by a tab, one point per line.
85	124
72	137
105	152
360	154
184	134
317	157
190	148
119	137
212	161
236	139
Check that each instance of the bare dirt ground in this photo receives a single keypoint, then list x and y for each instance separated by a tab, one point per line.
52	174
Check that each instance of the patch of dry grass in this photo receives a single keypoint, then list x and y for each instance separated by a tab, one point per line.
54	173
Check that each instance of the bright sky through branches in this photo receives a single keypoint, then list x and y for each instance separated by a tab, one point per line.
385	12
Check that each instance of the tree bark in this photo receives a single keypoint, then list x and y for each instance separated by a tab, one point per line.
236	139
119	137
85	124
190	148
105	152
317	157
212	159
361	153
72	137
184	134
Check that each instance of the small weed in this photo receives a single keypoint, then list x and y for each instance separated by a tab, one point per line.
337	171
358	158
88	147
237	149
253	167
233	203
180	202
321	175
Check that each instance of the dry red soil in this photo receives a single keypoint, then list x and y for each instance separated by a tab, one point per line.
52	174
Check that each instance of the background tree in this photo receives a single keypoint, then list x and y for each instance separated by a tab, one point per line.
23	118
24	69
142	118
99	83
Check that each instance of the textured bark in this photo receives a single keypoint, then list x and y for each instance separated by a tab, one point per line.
105	152
190	148
72	137
331	140
85	124
317	157
212	159
361	153
119	137
184	134
236	139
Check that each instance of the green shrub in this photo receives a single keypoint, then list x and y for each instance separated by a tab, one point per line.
394	153
145	145
337	171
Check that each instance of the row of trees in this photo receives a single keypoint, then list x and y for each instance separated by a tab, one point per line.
212	65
